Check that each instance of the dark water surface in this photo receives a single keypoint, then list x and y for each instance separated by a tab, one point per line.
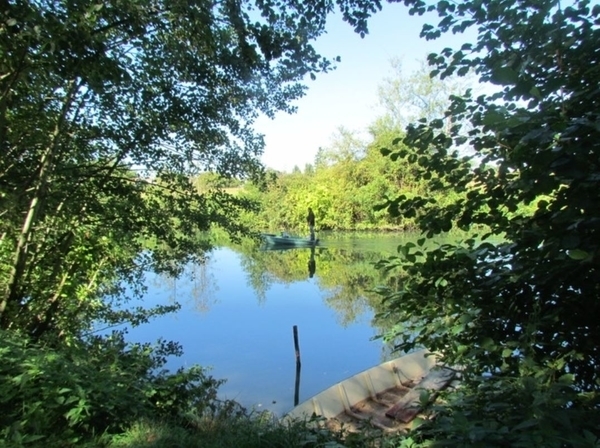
240	307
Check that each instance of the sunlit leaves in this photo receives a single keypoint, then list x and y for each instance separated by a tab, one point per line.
62	395
533	182
106	112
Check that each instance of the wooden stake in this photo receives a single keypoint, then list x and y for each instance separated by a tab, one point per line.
298	365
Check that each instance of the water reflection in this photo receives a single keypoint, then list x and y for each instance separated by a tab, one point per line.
346	276
241	304
312	264
196	288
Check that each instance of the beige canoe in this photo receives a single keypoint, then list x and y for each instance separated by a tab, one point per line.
387	396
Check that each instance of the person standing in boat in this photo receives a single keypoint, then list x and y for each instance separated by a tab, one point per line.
310	220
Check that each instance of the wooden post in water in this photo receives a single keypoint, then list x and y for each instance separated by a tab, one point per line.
298	365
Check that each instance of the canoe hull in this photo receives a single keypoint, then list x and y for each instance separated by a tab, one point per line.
271	239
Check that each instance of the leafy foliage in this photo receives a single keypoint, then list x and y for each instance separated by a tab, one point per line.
518	314
233	427
409	98
350	177
349	180
107	112
101	386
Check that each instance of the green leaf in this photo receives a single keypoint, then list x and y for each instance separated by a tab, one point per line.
493	117
566	379
535	92
457	329
504	76
465	318
34	438
487	343
441	282
527	424
578	254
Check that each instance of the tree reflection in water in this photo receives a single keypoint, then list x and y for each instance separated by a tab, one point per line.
196	287
347	276
250	299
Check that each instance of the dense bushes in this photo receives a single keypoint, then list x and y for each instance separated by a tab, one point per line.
515	314
53	397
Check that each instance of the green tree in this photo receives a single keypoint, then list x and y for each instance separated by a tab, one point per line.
349	179
519	314
336	181
409	98
107	112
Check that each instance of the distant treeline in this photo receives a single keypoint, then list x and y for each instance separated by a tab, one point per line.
345	186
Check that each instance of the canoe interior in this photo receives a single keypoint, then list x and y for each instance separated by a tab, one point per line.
374	398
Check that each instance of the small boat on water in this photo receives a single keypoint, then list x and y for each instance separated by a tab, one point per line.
284	239
387	397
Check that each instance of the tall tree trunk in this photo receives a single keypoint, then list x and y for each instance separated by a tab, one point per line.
10	293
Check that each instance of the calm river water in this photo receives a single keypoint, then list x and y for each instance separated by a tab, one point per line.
240	307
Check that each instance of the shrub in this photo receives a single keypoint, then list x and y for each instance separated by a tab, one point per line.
63	396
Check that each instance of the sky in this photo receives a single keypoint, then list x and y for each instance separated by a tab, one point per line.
347	96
